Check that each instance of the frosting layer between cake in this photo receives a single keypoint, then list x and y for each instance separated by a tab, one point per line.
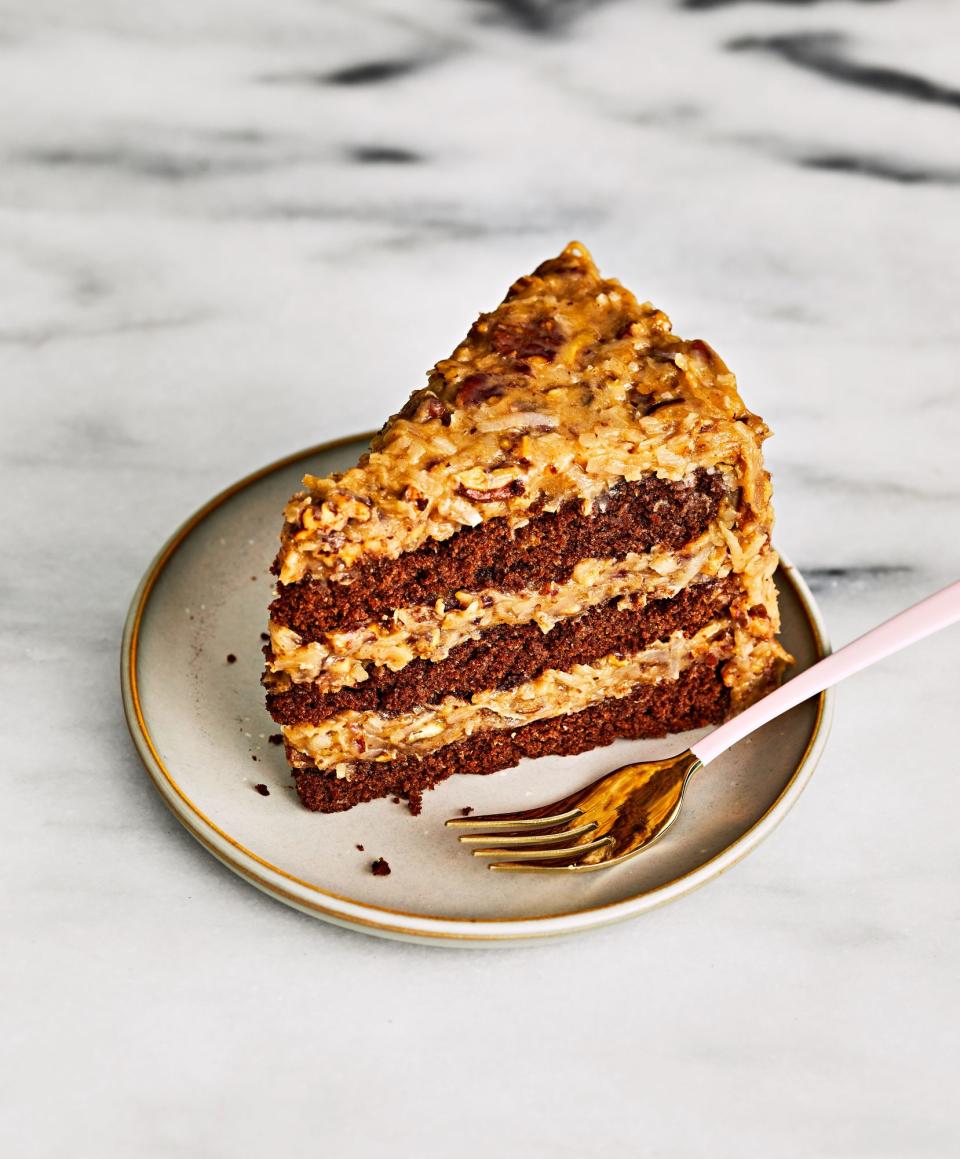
431	631
350	736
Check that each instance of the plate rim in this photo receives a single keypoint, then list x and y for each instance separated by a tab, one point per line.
392	923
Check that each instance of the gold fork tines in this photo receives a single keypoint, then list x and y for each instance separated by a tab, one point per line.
483	842
540	855
609	821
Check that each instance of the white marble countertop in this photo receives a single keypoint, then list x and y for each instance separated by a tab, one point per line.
216	219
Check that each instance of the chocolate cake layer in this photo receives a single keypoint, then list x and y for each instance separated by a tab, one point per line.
507	656
632	518
697	698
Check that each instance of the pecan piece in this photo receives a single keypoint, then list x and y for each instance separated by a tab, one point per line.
538	338
648	408
477	388
422	408
655	354
565	263
497	494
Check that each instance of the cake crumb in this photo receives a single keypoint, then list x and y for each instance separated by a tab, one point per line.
275	738
254	757
360	847
231	659
265	636
396	800
262	790
380	867
466	810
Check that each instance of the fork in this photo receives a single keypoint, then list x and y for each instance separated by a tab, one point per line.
624	812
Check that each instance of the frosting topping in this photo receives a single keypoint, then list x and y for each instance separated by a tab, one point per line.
568	387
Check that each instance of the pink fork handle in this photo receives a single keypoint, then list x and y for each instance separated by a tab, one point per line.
923	619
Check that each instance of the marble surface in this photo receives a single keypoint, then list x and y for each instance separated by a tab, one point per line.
228	229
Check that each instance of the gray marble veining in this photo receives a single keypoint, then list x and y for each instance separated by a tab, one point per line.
229	229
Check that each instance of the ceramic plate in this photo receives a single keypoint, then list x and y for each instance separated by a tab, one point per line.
198	722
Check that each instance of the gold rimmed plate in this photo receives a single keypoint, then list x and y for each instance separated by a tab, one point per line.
198	721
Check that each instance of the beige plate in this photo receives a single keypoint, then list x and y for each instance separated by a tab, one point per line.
197	721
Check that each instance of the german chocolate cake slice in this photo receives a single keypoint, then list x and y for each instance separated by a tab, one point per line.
562	539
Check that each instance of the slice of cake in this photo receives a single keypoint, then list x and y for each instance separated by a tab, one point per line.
562	539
